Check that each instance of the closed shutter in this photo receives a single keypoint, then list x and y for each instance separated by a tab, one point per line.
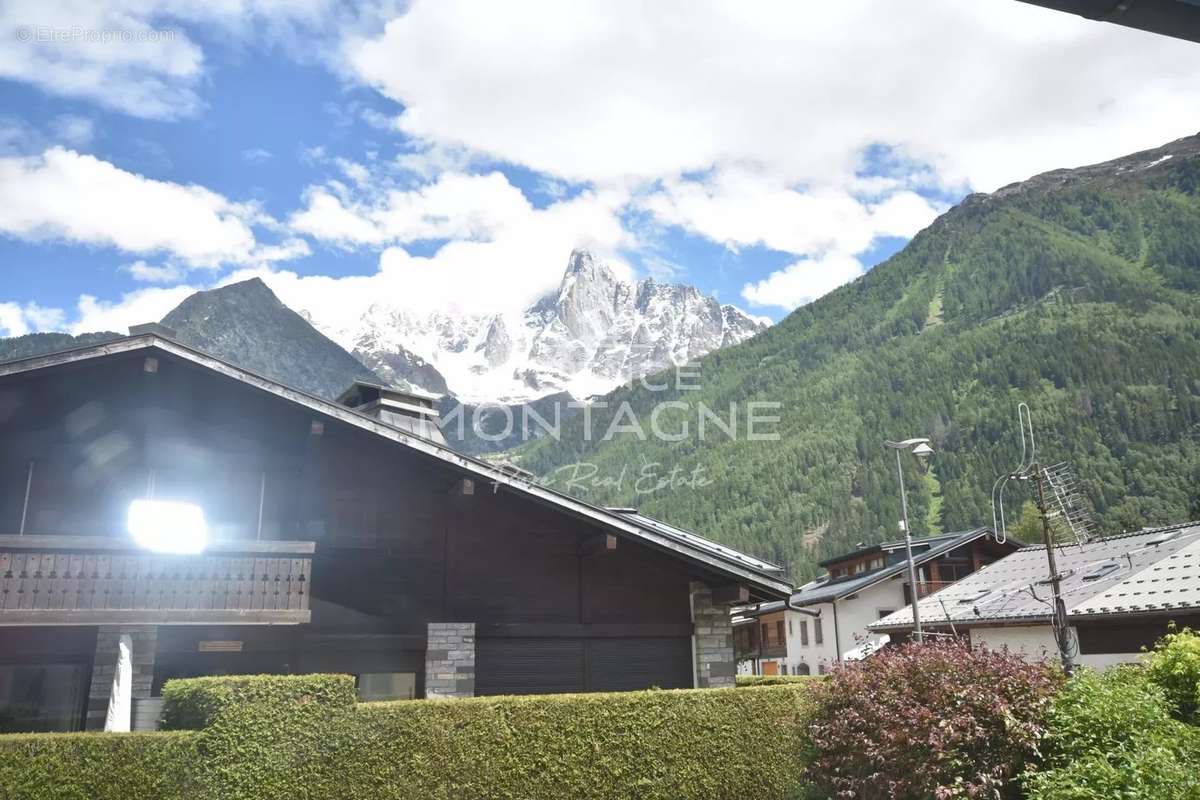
546	666
617	665
528	666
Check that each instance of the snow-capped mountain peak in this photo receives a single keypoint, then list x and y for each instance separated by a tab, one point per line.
594	332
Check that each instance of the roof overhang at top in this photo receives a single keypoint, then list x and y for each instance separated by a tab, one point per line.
711	557
827	591
1177	18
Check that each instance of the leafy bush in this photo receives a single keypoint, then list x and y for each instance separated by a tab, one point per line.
1111	736
775	680
1175	666
937	720
98	766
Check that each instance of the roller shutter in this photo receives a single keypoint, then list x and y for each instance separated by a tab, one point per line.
536	666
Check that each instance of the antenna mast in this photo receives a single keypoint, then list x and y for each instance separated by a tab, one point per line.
1069	508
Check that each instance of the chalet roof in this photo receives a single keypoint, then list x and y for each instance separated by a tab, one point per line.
1150	571
887	547
762	578
825	589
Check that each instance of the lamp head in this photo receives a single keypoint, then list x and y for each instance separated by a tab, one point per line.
168	527
923	450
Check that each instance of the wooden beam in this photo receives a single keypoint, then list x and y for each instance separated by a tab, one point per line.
572	630
108	616
57	542
730	594
596	545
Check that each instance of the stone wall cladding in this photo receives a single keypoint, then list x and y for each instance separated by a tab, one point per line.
715	664
450	660
104	667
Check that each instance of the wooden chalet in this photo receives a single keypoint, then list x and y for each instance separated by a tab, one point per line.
340	537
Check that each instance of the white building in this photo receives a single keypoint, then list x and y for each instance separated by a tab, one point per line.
1120	594
827	619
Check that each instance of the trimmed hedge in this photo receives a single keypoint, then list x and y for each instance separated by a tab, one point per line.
657	745
98	766
774	680
268	737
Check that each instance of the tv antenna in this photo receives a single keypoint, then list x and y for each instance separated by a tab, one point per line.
1065	516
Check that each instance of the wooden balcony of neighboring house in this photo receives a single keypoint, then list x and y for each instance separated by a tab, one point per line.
926	588
91	580
773	650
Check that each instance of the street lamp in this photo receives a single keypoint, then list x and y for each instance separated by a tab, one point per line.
921	449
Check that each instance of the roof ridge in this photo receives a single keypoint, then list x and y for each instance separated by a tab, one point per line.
1122	535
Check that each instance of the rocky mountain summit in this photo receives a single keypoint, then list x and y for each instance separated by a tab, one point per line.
590	335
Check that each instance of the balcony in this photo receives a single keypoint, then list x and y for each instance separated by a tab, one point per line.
87	580
925	589
774	650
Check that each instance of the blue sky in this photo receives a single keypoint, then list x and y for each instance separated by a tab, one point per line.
461	150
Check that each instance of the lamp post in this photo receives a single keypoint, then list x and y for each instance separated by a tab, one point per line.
921	449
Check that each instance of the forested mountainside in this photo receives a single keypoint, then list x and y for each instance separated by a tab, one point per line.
1077	291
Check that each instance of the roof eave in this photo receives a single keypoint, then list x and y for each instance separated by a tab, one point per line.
765	585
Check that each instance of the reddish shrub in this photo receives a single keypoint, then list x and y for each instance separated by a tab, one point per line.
937	720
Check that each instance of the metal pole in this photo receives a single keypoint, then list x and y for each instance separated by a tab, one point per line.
25	505
912	567
1061	632
262	494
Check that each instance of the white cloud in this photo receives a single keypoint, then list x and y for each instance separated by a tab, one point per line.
455	206
738	207
808	130
18	320
803	281
257	155
73	130
151	273
133	308
144	58
988	91
502	252
63	194
324	217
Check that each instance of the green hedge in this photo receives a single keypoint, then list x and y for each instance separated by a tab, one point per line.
658	745
98	766
268	737
775	680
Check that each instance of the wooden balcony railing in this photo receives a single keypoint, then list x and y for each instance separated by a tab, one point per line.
86	580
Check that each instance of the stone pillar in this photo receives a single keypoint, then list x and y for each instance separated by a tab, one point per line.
713	640
104	667
450	660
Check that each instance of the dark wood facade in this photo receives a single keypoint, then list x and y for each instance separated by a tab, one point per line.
334	548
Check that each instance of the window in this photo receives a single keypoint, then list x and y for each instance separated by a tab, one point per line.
803	669
785	669
36	698
951	571
877	562
821	669
804	633
779	639
817	632
766	635
791	630
860	567
1101	570
883	612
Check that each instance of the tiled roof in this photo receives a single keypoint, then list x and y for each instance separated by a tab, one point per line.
1151	570
1168	584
